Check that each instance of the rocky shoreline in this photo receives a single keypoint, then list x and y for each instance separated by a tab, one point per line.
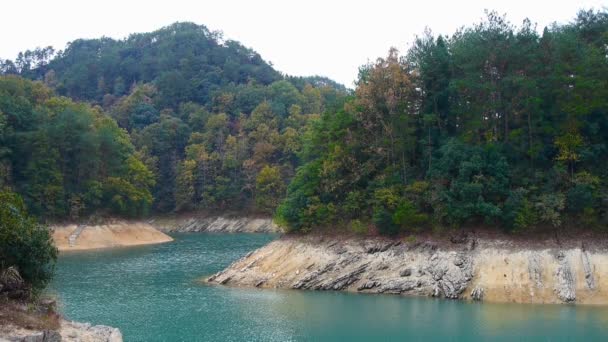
473	268
35	319
69	331
216	224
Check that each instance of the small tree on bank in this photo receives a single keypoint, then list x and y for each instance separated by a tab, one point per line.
24	243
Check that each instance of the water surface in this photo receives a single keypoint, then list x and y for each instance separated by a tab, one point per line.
151	293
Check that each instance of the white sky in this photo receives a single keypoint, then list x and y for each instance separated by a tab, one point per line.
307	37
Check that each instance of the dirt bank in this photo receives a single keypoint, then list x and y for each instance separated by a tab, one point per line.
118	234
471	268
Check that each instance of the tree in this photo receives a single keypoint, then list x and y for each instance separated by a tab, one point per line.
269	188
182	94
387	110
24	243
60	154
184	195
130	195
494	125
568	146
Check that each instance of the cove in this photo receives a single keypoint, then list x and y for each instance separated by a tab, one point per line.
152	293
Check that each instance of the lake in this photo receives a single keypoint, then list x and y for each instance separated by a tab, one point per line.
153	293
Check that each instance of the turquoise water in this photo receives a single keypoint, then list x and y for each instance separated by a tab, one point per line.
151	294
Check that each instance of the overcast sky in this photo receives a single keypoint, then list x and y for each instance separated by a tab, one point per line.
325	37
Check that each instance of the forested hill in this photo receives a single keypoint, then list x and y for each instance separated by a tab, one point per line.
185	61
204	123
495	125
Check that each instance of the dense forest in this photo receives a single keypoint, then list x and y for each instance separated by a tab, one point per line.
64	157
496	125
176	119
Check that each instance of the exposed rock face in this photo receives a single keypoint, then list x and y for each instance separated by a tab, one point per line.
477	294
74	331
219	224
564	286
69	331
12	284
32	336
588	268
535	271
476	269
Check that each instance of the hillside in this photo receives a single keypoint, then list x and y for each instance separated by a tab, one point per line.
497	125
214	125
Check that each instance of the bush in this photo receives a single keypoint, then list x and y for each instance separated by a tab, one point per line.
549	208
384	222
358	227
407	216
472	182
24	243
518	212
578	198
354	204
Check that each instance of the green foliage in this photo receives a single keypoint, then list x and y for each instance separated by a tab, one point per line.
129	195
295	213
383	220
472	182
549	207
24	243
495	125
69	159
269	188
186	61
358	227
518	211
206	115
407	215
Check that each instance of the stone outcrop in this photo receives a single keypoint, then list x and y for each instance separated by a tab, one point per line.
217	224
564	285
68	332
479	269
12	284
75	331
477	294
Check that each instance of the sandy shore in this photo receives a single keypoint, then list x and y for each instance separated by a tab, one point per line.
118	234
479	269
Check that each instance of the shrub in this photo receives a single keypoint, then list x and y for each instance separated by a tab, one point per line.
24	243
407	216
472	182
358	227
418	187
354	203
384	222
579	197
549	208
518	212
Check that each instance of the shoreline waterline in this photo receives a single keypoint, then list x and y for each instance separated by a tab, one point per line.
137	289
